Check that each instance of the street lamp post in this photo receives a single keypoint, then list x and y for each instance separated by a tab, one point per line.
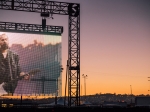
84	76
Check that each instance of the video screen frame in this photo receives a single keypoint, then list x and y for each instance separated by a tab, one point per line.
58	80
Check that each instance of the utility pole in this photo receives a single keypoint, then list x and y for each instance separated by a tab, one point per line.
81	89
131	92
131	89
84	76
149	86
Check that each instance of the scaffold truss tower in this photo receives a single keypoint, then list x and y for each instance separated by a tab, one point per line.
46	7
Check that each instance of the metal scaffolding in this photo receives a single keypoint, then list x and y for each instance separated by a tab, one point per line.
46	8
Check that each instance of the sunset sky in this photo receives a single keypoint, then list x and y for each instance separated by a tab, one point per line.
115	43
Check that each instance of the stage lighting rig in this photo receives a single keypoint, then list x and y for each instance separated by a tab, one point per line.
44	15
51	16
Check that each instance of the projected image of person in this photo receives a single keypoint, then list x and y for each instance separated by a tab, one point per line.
29	64
10	71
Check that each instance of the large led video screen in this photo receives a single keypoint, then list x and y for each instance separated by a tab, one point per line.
30	64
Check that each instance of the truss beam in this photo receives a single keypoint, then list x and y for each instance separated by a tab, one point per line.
39	6
30	28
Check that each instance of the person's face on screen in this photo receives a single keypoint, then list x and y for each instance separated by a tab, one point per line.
26	77
3	42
